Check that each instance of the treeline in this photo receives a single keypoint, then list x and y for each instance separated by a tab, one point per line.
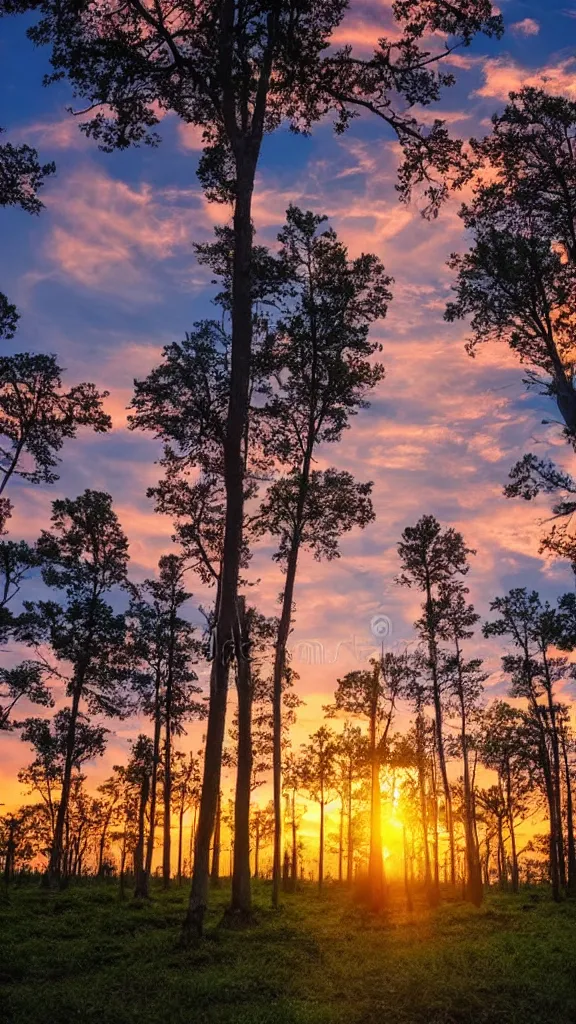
247	407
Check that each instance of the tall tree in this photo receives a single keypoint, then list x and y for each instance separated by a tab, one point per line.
433	559
352	760
239	71
518	280
320	375
84	556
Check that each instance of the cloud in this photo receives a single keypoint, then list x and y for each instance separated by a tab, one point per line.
502	75
526	27
107	234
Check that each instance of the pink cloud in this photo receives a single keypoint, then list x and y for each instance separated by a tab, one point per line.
106	232
526	27
503	75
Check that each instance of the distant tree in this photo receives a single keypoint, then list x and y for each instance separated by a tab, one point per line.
374	694
262	831
110	800
352	763
432	559
166	647
504	748
53	764
319	779
22	177
293	777
464	682
535	630
85	557
137	775
192	60
186	792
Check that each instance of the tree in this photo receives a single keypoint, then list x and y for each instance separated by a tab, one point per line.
374	694
535	629
186	791
318	777
238	72
465	680
37	415
504	748
352	760
320	375
262	831
433	559
137	775
518	280
54	766
22	176
85	556
166	645
26	680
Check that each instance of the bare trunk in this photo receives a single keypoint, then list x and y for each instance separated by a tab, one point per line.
57	851
215	869
154	779
241	903
141	878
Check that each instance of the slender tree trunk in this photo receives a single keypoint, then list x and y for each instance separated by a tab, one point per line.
180	837
511	828
434	795
421	755
375	865
141	878
350	844
279	664
234	484
215	869
57	851
341	840
557	773
571	881
154	779
321	850
407	890
257	851
241	904
294	869
166	845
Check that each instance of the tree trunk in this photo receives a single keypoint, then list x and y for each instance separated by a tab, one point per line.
321	850
407	890
141	878
215	869
180	831
154	779
241	904
350	850
571	881
294	875
512	830
434	795
341	840
238	408
421	755
57	851
166	844
375	865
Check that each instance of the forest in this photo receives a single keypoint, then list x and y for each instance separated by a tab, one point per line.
205	816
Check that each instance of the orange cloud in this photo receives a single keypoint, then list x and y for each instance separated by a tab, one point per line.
502	75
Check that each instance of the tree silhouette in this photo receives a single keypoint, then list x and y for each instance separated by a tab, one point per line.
85	556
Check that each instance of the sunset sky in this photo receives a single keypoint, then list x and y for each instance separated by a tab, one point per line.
106	276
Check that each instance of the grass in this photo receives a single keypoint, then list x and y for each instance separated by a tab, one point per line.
83	955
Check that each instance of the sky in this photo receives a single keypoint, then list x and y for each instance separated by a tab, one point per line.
106	276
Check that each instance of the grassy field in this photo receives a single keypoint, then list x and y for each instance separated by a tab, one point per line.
83	955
